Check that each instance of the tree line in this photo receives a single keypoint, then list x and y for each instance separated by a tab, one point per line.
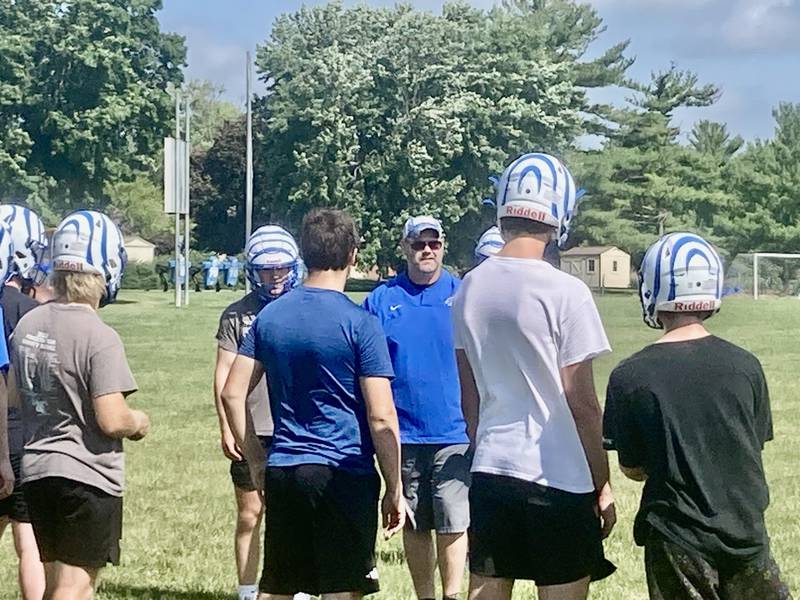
386	112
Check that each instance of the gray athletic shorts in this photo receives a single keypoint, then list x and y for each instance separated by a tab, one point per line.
436	486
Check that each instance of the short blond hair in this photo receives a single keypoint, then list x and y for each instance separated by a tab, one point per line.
81	288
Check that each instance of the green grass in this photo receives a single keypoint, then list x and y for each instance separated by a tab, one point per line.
179	505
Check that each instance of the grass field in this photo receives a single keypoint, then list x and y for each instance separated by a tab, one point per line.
179	502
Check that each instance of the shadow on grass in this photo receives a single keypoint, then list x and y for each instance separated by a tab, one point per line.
116	590
121	301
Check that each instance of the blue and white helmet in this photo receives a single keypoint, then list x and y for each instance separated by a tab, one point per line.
6	253
490	243
89	241
30	242
272	247
681	272
538	187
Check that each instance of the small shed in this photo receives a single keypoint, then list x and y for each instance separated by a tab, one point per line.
599	267
140	250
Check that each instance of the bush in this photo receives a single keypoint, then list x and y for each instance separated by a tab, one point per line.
140	276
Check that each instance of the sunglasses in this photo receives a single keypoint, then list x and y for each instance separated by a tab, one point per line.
421	245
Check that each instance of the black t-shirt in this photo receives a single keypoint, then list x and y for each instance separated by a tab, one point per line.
15	304
695	415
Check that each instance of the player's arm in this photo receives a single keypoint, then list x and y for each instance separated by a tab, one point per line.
117	420
470	399
244	375
385	431
578	382
621	431
223	366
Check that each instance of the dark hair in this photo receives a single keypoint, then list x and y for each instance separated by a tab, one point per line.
515	226
327	239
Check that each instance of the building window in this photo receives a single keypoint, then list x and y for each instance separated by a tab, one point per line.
590	265
614	266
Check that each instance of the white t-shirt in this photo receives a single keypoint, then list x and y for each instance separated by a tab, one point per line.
519	322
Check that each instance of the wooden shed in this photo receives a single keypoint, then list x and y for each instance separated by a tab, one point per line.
600	267
139	249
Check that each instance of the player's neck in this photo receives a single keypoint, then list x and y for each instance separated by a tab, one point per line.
683	328
524	247
328	280
14	283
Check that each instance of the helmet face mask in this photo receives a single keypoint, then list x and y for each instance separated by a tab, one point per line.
680	273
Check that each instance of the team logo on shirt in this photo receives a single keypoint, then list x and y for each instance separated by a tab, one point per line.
449	301
394	307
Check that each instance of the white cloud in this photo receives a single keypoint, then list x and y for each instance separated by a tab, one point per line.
763	25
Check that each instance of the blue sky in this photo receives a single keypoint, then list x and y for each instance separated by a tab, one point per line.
750	48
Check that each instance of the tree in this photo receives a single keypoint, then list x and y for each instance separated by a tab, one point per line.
710	137
766	182
642	182
137	206
210	112
390	111
87	103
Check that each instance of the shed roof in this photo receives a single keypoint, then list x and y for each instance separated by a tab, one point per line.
588	250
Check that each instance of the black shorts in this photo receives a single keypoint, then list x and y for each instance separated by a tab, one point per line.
74	523
14	506
320	529
523	530
240	470
674	573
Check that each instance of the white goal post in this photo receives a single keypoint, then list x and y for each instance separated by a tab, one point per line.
756	256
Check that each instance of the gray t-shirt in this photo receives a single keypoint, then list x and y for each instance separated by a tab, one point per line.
64	357
234	324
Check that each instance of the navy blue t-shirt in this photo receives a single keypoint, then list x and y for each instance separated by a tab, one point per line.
419	329
314	345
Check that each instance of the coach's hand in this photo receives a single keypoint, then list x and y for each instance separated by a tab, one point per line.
229	446
607	510
6	478
142	425
393	509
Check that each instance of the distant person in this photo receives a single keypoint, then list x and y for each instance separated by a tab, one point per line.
272	262
24	287
73	378
689	416
328	372
414	310
526	335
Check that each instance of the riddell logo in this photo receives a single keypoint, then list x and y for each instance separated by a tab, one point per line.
67	265
528	213
694	306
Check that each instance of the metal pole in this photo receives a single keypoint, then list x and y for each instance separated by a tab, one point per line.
177	201
755	276
188	112
248	211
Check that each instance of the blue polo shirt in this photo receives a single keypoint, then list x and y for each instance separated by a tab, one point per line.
417	323
314	345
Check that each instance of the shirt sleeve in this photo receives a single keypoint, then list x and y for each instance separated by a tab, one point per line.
457	315
249	342
226	333
763	411
582	336
109	369
621	430
372	351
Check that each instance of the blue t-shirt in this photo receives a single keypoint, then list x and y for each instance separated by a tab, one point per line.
3	346
314	345
419	330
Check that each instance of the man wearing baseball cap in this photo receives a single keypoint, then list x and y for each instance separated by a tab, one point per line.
414	309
